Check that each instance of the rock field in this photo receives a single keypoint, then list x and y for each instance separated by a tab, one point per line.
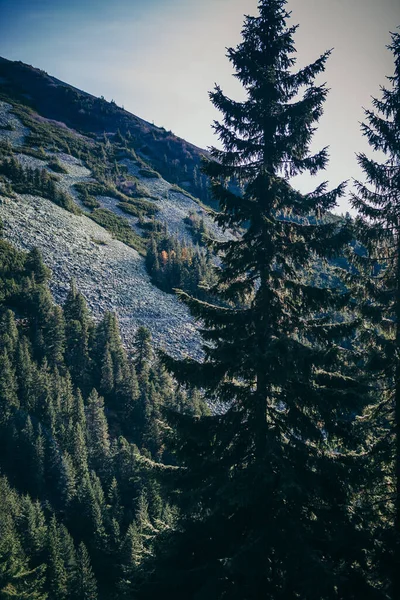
111	275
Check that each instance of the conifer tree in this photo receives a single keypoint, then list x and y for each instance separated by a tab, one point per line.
77	330
79	452
32	522
57	573
98	441
107	373
8	387
8	333
70	559
26	375
86	586
143	351
131	554
17	578
67	485
55	336
35	264
264	491
378	299
128	393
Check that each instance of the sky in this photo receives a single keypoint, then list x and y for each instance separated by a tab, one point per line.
159	59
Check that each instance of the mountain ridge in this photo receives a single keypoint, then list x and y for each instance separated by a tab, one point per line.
96	176
60	101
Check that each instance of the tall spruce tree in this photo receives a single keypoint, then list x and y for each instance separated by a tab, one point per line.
264	493
378	229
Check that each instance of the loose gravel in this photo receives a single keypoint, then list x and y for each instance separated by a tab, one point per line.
110	275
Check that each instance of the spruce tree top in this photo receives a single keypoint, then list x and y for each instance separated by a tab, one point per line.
381	206
266	140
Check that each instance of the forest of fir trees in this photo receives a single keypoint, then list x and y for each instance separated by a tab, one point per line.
271	469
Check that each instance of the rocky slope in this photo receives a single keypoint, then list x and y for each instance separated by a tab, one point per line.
174	158
110	274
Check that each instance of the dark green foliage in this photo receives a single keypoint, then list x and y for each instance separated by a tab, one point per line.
18	578
56	166
73	415
173	265
149	173
375	283
119	228
137	207
88	191
265	481
197	228
143	350
85	587
7	127
37	182
88	201
119	483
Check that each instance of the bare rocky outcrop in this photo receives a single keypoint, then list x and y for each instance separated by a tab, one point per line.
111	276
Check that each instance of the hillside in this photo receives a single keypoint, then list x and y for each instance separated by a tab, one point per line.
174	158
107	201
93	240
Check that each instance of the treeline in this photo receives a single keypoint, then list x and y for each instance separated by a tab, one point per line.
197	228
121	483
81	435
174	265
40	182
291	489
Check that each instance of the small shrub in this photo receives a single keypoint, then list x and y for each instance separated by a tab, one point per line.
99	242
57	167
119	228
149	173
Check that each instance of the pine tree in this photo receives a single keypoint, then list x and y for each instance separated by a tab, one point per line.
35	264
17	578
8	333
57	573
67	485
143	350
378	300
86	586
264	492
55	337
115	500
97	437
26	375
34	529
77	334
79	452
107	373
128	394
79	409
8	387
66	544
131	554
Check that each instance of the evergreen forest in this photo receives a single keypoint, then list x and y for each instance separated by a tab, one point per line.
270	468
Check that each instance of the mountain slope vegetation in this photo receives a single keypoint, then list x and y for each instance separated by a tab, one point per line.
256	453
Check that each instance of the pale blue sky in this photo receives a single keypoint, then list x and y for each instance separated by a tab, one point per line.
159	58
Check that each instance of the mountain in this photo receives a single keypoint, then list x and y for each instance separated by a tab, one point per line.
90	185
174	158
